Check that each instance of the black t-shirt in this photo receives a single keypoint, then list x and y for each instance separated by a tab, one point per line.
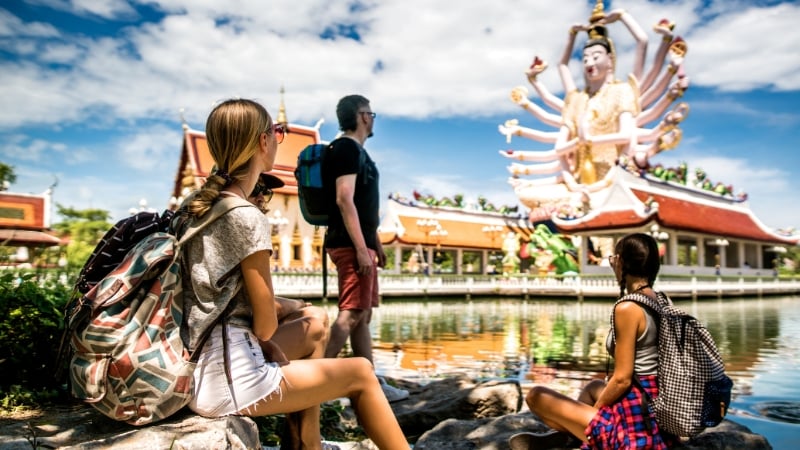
343	158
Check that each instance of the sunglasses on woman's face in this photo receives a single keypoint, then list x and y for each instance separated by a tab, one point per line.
279	131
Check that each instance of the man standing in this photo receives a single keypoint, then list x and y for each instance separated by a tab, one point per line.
352	237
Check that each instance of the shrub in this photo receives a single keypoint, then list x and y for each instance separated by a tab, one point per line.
31	324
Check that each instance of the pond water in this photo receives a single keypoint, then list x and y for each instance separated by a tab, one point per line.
561	343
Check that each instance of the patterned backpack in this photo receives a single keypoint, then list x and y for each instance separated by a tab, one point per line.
128	359
693	391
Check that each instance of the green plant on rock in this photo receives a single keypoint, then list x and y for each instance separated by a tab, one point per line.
334	426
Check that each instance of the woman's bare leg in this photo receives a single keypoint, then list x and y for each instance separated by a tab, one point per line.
560	412
591	392
302	338
310	382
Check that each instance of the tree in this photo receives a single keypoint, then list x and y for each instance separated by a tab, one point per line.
84	228
7	176
793	260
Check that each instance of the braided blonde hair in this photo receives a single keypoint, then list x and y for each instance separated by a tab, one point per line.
233	130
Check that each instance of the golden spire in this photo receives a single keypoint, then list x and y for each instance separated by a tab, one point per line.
598	12
282	110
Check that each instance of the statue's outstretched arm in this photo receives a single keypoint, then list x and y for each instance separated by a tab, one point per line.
675	66
539	155
638	34
538	66
511	128
657	90
535	169
547	97
676	90
664	28
519	95
564	151
574	186
644	135
626	135
563	66
549	181
668	140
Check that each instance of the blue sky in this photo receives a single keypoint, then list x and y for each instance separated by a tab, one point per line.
92	90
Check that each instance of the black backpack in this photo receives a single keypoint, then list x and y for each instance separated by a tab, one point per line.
117	242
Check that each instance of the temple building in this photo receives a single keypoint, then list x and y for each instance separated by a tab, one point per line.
700	232
25	221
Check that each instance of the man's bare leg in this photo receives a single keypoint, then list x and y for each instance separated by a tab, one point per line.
361	338
342	328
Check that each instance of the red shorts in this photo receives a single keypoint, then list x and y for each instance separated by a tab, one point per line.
355	291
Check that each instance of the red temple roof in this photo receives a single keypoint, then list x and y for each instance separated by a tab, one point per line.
636	201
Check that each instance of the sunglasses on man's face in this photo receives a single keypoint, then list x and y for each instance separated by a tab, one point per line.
261	189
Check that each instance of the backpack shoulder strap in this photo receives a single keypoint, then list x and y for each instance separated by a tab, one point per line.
654	304
362	153
219	209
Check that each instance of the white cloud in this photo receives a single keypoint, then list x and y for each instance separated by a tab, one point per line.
417	59
152	150
439	60
107	9
12	26
25	148
747	47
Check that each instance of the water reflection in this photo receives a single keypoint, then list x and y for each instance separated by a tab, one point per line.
494	337
562	343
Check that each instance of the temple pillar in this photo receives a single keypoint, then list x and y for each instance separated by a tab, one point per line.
398	258
701	251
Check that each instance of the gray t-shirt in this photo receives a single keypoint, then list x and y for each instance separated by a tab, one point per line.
211	274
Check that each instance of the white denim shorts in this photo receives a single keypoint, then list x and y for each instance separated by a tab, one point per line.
254	379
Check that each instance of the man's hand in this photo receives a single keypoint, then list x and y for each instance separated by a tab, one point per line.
273	353
365	262
288	306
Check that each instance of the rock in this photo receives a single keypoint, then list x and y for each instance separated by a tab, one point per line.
489	433
86	429
451	414
454	398
493	434
728	436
